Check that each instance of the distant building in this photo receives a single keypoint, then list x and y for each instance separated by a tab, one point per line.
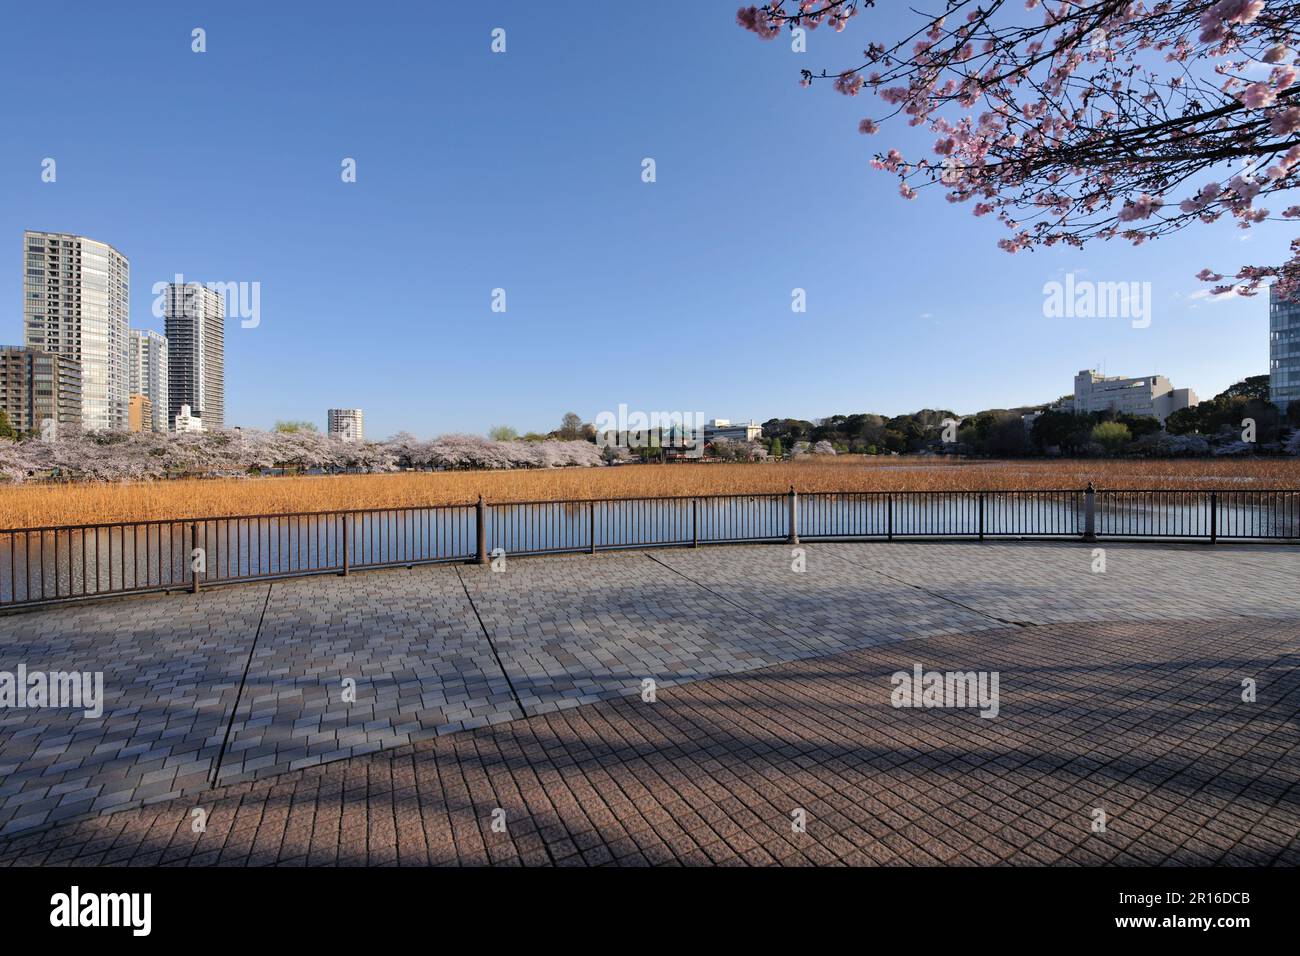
76	302
38	386
196	352
1151	396
139	414
185	422
741	431
347	423
1283	350
149	376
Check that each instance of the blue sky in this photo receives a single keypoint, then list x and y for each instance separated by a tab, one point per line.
522	171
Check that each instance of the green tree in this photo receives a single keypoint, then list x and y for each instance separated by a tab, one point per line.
1139	425
6	427
778	451
1254	386
293	426
1268	419
1053	429
571	427
1185	421
503	433
1225	411
1111	436
895	440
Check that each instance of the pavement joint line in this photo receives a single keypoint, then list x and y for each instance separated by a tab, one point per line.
941	597
234	711
722	597
492	644
1178	838
618	620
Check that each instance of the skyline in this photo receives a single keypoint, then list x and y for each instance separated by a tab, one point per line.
377	294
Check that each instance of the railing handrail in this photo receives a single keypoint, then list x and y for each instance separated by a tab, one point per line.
195	551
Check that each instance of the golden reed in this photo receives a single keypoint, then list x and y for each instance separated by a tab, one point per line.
32	505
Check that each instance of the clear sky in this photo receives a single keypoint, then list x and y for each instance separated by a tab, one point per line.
522	171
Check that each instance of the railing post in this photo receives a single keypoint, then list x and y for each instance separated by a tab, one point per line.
1090	513
346	544
480	520
695	522
1214	517
194	571
981	516
889	526
794	517
591	518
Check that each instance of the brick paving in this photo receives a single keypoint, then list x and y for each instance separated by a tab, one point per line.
461	671
171	674
1144	722
411	644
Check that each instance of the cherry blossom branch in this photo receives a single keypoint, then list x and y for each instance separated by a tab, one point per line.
1087	124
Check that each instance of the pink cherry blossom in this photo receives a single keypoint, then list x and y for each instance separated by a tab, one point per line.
1258	95
1069	129
1285	122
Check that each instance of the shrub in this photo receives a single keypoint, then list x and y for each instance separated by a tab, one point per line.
1111	436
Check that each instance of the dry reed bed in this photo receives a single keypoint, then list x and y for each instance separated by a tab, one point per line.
35	505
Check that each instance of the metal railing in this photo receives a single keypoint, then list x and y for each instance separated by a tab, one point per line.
54	564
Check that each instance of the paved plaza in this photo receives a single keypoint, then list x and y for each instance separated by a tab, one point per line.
392	716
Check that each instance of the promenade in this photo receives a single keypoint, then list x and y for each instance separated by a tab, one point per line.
395	716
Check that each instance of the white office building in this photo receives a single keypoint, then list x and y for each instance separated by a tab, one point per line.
76	302
1283	350
149	374
186	422
347	423
196	352
738	431
1151	396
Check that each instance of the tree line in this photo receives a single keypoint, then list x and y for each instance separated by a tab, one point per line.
1215	425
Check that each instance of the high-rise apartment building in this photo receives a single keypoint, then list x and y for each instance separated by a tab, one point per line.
196	344
38	386
148	375
346	423
76	303
1283	350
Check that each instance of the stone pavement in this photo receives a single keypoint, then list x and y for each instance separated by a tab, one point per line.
451	648
1142	722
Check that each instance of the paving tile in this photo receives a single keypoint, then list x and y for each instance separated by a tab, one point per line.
478	690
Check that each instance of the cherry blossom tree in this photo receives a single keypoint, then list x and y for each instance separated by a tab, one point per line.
123	456
1087	119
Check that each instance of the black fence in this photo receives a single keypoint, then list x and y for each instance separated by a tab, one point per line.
48	565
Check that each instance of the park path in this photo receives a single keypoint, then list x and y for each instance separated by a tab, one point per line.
237	691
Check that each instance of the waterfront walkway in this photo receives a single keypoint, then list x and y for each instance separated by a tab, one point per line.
395	716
